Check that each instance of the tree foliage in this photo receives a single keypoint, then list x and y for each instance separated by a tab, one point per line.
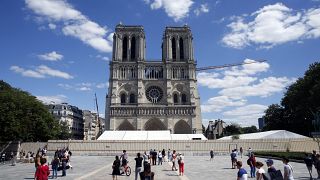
300	101
235	129
24	118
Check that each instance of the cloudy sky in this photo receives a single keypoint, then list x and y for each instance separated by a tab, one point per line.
59	50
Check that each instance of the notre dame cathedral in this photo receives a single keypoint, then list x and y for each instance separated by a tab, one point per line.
153	95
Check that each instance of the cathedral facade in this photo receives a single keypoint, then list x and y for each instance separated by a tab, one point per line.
153	95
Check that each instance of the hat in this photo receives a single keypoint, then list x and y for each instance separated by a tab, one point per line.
269	161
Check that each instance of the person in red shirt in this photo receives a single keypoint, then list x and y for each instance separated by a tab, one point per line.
42	171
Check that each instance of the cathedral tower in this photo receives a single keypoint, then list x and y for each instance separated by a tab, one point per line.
153	95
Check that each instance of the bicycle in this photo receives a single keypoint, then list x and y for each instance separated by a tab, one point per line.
127	170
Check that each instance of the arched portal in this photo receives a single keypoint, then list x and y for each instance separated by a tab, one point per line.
126	125
182	127
154	125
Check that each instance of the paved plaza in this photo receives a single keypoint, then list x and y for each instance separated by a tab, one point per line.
196	168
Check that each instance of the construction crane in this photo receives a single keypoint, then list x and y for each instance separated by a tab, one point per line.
98	119
228	65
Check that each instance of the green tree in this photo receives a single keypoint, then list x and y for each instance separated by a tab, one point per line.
25	118
251	129
232	129
300	101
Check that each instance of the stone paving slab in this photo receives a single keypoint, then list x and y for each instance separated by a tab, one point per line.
196	168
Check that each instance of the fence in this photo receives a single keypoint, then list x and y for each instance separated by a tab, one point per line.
188	147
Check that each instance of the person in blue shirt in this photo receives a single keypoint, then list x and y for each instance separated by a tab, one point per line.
242	173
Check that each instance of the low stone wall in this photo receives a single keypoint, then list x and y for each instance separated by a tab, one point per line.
188	147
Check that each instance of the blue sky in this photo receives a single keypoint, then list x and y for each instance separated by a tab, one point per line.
59	50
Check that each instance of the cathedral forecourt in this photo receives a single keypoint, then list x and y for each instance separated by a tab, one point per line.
153	95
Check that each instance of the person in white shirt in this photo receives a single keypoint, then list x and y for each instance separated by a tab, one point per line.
288	170
260	170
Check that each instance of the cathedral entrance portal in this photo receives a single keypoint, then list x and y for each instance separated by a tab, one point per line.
126	125
154	124
182	127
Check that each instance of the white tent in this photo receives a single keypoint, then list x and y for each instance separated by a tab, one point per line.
275	134
148	135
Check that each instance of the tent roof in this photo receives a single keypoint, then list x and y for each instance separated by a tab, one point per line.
147	135
275	134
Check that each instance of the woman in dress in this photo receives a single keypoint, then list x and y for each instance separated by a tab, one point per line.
116	168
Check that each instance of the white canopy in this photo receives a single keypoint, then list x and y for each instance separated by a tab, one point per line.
148	135
275	134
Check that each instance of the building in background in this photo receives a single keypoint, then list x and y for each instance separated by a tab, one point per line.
261	123
91	126
215	129
72	115
153	94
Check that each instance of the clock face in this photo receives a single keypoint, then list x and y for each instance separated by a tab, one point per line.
154	94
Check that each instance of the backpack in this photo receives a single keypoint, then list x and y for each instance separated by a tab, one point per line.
249	162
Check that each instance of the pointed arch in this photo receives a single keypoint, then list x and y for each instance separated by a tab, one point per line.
154	124
181	49
123	98
133	48
132	99
126	125
175	98
173	47
182	127
124	48
183	98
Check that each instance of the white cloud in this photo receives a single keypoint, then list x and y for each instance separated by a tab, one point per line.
74	23
177	9
272	25
217	104
65	86
248	69
104	58
26	73
245	115
52	56
52	99
41	71
202	9
264	88
52	26
102	85
84	88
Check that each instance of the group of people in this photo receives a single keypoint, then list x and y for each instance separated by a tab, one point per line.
256	168
146	160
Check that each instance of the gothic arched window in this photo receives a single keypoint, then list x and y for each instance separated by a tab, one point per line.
183	98
173	44
123	98
124	48
175	99
133	48
132	98
181	48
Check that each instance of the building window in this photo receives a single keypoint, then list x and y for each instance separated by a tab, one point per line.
124	48
123	98
133	48
175	99
181	48
183	98
132	98
173	44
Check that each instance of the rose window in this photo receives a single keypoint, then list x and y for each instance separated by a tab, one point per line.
154	94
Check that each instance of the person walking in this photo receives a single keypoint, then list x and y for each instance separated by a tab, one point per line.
288	170
174	159
211	155
116	168
242	173
160	158
64	161
169	155
181	164
309	164
241	151
260	171
147	174
138	160
42	171
164	157
233	156
54	165
154	157
271	168
252	164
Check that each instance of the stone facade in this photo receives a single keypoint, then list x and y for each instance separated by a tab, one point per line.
153	95
72	115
